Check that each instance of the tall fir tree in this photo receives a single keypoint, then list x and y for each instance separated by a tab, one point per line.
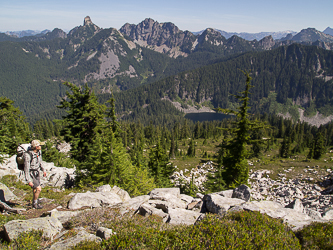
160	167
234	158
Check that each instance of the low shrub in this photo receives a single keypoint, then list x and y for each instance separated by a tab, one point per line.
31	240
317	235
239	230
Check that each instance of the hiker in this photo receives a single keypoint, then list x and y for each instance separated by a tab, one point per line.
32	168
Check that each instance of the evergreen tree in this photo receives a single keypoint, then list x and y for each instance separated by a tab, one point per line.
84	120
234	160
319	146
215	179
285	147
13	128
160	167
191	149
172	153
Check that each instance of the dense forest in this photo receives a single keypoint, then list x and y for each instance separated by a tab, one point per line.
138	157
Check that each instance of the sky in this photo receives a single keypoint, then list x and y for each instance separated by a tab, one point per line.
193	15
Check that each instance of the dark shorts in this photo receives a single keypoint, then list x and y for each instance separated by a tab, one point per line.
35	176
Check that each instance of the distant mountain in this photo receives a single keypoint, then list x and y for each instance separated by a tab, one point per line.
50	35
254	36
328	31
312	35
114	60
24	33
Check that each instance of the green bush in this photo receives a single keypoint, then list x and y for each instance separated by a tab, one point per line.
316	236
30	240
239	230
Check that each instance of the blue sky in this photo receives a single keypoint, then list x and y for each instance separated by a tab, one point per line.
231	16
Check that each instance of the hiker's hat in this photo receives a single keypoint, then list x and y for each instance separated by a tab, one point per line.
36	143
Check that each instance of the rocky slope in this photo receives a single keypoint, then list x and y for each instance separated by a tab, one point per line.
295	201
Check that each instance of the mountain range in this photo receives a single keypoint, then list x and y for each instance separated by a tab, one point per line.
136	55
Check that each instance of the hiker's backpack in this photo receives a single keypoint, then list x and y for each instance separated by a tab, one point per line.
21	150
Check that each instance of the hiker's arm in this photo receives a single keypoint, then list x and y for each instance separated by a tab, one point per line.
41	164
27	168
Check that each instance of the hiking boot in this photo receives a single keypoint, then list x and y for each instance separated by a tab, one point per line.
37	206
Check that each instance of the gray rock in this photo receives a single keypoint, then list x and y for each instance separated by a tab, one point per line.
313	214
180	216
170	195
328	214
186	198
220	205
226	193
131	205
104	233
63	216
275	210
296	205
124	196
6	194
164	205
104	188
73	241
200	196
96	199
242	192
50	226
146	210
164	194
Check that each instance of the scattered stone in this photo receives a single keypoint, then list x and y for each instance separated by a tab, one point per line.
180	216
50	226
73	241
220	205
242	192
104	233
96	199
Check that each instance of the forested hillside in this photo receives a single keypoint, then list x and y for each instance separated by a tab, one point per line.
142	72
295	74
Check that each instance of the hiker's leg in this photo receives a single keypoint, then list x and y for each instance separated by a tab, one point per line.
36	192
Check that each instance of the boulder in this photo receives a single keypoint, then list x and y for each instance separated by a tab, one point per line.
146	210
313	214
226	193
242	192
124	196
296	205
275	210
220	205
186	198
164	205
104	233
104	188
328	214
131	205
93	199
68	243
6	194
50	226
62	216
164	193
171	195
180	216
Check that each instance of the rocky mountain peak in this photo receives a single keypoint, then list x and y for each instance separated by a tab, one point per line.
312	35
267	42
87	21
328	31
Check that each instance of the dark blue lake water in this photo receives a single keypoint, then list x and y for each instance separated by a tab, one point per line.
195	117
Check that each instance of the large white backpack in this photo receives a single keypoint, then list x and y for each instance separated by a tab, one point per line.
21	150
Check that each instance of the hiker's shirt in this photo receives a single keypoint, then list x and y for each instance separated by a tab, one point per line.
32	165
